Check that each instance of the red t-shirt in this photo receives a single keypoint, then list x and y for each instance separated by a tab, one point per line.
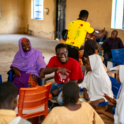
72	65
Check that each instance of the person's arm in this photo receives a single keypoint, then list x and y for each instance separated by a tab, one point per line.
41	74
56	91
17	71
49	70
99	34
111	100
106	114
104	45
95	103
86	96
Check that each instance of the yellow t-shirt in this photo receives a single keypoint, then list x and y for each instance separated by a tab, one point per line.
85	115
6	116
77	31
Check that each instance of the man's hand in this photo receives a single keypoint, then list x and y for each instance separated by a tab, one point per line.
103	30
41	74
111	100
63	70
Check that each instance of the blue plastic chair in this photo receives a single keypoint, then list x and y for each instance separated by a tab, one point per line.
0	79
11	77
117	56
116	88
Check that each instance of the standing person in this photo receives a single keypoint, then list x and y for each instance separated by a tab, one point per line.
8	102
71	112
110	43
119	103
65	68
77	31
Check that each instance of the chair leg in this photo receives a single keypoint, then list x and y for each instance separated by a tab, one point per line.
35	120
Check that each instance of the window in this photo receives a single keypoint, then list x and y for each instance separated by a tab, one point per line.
37	9
117	20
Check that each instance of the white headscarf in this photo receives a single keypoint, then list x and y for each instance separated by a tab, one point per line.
119	112
97	81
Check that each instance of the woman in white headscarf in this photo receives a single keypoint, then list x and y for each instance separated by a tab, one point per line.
119	103
96	82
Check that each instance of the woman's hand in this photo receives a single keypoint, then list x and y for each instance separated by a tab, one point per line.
111	100
41	74
17	73
63	70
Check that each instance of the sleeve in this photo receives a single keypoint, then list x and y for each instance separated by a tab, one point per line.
88	28
76	72
84	84
105	43
96	118
121	44
51	63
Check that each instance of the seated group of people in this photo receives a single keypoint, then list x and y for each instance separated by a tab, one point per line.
29	68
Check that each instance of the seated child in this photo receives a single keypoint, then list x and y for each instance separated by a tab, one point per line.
119	111
71	112
96	82
8	102
64	36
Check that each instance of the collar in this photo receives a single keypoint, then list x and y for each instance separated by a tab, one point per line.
7	112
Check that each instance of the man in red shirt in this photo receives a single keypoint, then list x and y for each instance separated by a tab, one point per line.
66	69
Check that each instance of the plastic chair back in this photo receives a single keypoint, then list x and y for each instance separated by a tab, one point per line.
0	79
117	54
33	98
116	87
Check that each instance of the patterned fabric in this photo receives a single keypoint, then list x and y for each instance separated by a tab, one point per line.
24	40
33	80
77	31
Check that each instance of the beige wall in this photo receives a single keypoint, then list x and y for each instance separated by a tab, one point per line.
99	13
16	15
12	16
43	28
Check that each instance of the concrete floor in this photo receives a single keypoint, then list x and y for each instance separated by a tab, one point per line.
9	47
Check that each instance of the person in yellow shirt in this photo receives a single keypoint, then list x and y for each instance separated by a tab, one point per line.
77	31
8	102
71	112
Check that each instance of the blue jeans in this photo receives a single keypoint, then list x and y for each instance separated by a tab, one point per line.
59	98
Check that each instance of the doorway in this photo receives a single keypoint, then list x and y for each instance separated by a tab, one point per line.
60	17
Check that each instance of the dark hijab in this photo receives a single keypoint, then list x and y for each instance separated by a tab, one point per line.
89	48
